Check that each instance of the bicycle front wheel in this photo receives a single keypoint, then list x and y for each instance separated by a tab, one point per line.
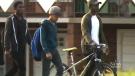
104	70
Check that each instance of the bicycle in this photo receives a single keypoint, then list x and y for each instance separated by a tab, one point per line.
101	69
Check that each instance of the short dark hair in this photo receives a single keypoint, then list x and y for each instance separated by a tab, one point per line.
17	3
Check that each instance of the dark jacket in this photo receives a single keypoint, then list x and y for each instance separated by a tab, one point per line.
10	39
86	26
48	36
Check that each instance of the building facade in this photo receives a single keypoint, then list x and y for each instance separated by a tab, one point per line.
119	29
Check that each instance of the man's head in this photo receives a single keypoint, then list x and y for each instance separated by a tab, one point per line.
19	7
93	5
54	13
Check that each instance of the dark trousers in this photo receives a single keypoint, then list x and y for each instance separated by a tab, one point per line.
18	64
56	60
92	64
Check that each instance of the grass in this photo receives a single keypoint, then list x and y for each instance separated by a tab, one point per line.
126	73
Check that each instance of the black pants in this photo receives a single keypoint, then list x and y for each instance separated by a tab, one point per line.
18	64
92	64
56	60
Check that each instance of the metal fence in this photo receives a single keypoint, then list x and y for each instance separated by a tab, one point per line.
77	8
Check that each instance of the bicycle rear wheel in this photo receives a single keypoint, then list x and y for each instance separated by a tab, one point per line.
53	70
104	70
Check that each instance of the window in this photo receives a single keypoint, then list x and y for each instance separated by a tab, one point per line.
112	6
30	6
79	6
61	41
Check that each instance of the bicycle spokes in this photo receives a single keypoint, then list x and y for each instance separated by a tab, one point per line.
105	71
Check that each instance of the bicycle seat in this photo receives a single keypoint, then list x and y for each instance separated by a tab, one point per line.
69	49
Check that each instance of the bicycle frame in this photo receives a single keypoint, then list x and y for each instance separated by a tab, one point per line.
96	55
77	63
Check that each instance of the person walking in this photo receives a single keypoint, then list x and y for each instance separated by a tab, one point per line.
16	35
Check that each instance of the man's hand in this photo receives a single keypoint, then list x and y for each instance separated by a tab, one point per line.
107	51
49	56
93	43
7	53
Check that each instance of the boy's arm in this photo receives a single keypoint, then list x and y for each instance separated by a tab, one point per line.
42	39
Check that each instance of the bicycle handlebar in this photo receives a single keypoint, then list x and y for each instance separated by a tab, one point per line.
103	47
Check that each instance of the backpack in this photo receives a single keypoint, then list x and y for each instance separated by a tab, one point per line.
36	45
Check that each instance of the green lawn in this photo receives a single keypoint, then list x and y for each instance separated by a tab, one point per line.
126	73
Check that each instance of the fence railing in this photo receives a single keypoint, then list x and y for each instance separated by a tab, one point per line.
77	8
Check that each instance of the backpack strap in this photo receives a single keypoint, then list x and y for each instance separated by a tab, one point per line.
46	27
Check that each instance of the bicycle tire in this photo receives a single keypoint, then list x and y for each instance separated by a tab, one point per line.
64	66
103	65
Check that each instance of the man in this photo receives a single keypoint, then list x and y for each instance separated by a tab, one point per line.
16	36
49	42
92	30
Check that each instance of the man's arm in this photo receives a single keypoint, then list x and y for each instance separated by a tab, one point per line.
7	34
102	33
103	38
85	30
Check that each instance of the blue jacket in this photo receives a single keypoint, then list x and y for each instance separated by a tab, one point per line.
48	36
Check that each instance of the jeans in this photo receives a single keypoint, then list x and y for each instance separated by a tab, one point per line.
56	60
18	64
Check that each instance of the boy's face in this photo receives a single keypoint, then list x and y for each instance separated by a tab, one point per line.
55	17
95	8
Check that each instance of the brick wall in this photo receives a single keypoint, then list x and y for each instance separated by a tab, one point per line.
74	37
110	32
